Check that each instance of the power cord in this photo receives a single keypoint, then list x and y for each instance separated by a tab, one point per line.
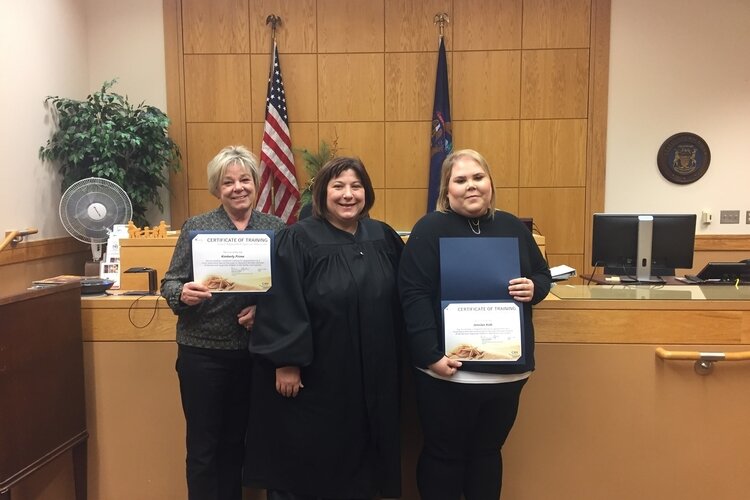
153	312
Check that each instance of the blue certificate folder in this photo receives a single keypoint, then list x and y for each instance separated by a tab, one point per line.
477	270
229	234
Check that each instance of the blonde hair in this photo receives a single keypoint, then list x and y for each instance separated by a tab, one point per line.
443	205
231	155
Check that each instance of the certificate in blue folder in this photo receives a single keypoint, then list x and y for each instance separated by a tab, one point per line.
481	321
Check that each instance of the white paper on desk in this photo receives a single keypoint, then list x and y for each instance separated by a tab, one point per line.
232	262
562	272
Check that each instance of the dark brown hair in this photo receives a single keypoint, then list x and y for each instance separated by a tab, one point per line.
332	169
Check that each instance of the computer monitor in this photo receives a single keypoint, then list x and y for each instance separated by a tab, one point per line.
643	245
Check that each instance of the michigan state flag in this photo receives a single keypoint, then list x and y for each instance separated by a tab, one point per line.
441	136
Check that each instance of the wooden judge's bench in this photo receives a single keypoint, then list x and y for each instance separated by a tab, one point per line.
601	417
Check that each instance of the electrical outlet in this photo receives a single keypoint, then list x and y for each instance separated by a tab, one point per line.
747	217
729	217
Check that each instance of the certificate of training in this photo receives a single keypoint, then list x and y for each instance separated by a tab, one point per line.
233	262
483	331
481	321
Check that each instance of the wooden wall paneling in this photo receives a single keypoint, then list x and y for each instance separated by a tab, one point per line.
42	249
350	87
650	417
506	199
378	209
300	74
487	24
338	77
485	85
217	88
497	141
554	83
407	154
351	26
296	33
559	214
409	25
723	243
216	27
365	140
175	83
410	85
304	136
596	155
549	24
553	153
404	207
205	140
200	201
136	421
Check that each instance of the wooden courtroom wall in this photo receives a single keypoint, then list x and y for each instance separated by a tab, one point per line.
528	83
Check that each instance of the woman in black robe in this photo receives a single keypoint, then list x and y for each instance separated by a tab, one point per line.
324	422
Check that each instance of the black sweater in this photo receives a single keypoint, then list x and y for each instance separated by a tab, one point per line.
419	282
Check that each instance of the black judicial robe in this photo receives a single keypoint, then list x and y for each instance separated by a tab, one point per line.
335	313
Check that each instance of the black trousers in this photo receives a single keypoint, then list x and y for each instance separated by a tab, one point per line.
215	391
464	428
285	495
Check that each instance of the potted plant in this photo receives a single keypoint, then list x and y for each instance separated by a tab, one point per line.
313	163
106	136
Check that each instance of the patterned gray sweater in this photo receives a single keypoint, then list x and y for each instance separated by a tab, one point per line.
212	324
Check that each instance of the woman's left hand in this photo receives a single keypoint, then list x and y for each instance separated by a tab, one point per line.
521	289
246	317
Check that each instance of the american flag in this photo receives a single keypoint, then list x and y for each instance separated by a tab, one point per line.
278	177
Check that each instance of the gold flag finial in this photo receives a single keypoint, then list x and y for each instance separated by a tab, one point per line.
274	21
441	18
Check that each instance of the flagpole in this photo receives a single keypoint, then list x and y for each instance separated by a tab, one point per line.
441	133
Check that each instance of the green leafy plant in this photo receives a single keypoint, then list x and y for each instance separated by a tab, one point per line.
106	136
314	161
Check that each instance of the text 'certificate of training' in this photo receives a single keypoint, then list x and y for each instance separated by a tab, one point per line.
483	331
233	262
481	321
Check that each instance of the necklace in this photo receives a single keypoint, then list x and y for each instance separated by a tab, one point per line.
474	226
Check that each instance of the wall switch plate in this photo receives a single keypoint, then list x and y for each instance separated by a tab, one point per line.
747	217
729	217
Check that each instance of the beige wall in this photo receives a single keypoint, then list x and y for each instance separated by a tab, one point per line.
66	48
679	66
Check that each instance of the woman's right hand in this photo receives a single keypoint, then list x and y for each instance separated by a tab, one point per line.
288	381
445	366
194	293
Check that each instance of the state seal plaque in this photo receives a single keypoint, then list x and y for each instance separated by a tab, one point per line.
683	158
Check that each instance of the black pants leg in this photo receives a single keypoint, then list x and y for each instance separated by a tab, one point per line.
215	393
286	495
464	427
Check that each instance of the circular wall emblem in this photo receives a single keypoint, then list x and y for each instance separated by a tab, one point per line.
683	158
